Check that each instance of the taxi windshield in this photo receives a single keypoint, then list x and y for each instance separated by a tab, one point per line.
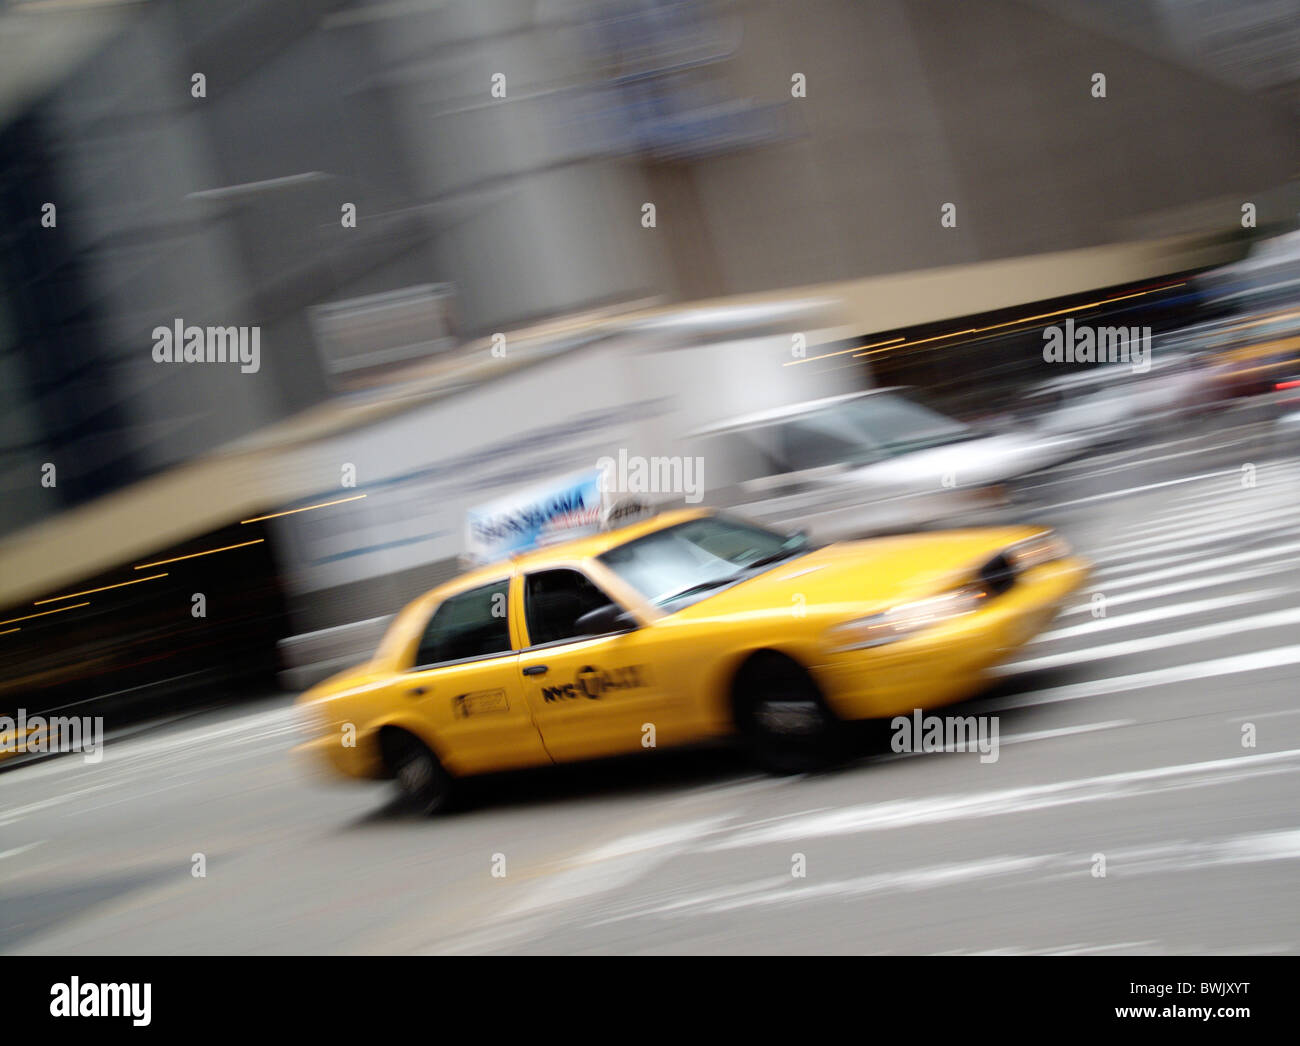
685	562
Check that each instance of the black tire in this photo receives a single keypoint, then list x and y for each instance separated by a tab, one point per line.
783	718
425	786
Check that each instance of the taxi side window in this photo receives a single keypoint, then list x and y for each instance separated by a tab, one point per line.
471	624
553	602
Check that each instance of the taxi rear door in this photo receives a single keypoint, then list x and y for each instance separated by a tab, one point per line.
464	684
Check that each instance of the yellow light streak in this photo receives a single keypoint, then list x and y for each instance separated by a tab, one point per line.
195	555
89	591
305	508
43	613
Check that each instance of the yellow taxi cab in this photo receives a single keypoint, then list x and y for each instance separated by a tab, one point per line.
678	629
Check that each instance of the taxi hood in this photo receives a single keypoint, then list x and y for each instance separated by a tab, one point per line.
863	577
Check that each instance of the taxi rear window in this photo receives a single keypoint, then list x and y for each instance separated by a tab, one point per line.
469	624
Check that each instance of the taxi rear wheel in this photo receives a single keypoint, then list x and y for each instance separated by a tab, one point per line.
783	718
424	785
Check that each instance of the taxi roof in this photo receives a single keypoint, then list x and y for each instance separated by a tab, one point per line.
586	547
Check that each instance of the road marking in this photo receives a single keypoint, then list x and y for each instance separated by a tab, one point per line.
1269	475
1064	731
1163	859
1259	622
1195	559
1195	585
1017	739
17	813
910	813
595	872
1223	666
1262	715
906	879
1138	462
611	865
1265	478
20	849
1109	495
1235	529
1119	580
1064	949
1261	499
781	889
1244	510
1142	451
1144	617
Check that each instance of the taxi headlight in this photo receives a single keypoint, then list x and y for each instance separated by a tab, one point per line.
1046	547
905	619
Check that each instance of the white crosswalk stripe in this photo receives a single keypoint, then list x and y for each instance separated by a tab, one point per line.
1143	617
1176	584
1197	584
1228	518
1273	619
1120	579
1196	540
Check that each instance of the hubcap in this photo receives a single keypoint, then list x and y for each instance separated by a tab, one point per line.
415	773
788	717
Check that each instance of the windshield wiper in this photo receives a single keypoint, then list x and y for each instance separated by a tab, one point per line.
774	557
730	579
702	586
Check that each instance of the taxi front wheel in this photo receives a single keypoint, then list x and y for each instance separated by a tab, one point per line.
424	785
783	718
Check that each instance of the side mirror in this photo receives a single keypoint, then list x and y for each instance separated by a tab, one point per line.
603	620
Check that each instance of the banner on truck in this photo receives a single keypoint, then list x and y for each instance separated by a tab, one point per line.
545	512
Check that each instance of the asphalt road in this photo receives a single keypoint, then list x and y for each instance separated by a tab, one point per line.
1121	745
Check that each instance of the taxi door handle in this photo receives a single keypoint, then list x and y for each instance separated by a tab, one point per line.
535	670
417	691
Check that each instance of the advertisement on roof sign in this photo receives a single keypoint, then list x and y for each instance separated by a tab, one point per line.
545	512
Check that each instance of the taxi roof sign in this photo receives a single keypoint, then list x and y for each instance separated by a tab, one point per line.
546	512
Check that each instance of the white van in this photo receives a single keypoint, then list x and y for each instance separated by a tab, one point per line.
867	462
